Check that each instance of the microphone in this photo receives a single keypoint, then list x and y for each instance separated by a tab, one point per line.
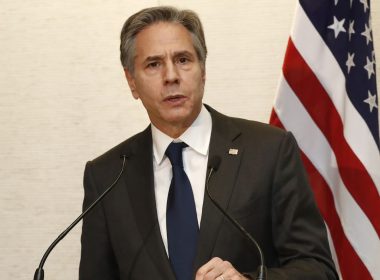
39	273
213	166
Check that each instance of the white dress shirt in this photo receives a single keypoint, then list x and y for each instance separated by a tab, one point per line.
195	157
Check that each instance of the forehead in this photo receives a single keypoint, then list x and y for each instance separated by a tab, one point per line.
163	37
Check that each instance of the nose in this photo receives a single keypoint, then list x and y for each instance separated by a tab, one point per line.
171	75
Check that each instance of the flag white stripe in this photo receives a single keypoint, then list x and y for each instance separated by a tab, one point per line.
354	222
309	43
333	252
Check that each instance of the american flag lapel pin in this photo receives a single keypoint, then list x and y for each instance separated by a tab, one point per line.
233	152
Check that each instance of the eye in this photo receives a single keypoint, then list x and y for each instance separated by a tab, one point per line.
183	60
153	64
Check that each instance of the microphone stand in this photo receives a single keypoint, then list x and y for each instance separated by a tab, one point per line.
261	273
39	273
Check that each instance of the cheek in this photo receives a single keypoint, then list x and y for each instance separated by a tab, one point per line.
198	84
145	85
193	77
149	92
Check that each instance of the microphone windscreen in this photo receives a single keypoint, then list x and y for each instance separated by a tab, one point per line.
214	162
127	153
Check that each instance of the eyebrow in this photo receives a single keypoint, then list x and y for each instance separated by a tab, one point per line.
179	53
160	57
153	58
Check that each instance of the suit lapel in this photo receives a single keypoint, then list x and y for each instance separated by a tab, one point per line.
224	136
140	185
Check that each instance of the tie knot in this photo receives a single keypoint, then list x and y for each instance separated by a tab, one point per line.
174	153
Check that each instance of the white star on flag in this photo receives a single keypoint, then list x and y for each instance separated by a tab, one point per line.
342	97
365	4
337	26
369	68
371	100
351	29
350	62
367	33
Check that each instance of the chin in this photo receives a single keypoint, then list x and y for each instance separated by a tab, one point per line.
178	118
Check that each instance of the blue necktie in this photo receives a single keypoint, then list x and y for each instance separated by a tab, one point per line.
181	217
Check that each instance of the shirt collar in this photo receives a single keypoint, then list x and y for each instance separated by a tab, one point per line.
197	136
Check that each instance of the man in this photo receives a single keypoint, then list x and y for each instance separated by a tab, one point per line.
144	227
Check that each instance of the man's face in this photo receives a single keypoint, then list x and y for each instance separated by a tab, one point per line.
168	77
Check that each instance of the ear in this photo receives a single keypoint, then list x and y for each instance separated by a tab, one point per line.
131	83
204	76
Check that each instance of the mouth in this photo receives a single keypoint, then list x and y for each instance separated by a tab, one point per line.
175	99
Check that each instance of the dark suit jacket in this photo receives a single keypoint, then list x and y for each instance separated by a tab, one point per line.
264	187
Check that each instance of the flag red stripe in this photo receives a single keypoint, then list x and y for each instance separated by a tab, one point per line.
316	101
351	266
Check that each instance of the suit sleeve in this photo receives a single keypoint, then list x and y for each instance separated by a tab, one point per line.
299	232
97	259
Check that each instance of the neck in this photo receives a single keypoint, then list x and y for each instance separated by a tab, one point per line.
173	131
176	129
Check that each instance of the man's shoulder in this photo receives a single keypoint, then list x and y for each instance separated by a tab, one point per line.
261	135
249	128
127	147
256	126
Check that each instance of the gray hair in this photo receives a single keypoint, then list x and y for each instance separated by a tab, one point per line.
146	17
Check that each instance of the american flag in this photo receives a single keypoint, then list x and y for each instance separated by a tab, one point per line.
327	98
